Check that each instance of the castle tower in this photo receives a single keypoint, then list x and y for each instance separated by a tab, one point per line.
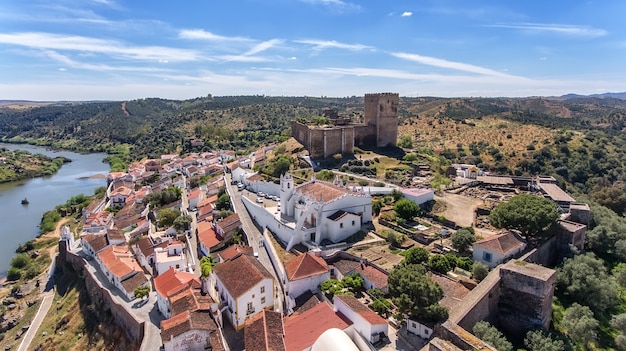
381	110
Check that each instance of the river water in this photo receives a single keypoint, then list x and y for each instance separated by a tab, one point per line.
19	223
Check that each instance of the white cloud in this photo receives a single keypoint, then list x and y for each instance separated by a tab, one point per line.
407	14
325	44
441	63
112	48
201	34
62	69
565	29
97	67
248	56
336	5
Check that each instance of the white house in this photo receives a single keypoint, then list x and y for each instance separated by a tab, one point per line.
191	331
305	272
367	322
321	210
497	248
167	283
422	330
244	286
418	195
98	221
122	270
171	256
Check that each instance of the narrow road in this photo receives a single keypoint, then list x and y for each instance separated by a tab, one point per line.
36	322
255	237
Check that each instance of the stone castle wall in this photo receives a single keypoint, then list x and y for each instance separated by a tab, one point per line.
381	110
101	297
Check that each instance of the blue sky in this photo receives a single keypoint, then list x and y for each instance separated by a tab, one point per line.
119	50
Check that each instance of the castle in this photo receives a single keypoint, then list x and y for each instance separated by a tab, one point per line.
379	128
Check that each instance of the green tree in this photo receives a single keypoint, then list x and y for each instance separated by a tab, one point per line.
406	209
331	287
415	255
14	273
20	260
182	223
492	336
578	323
280	166
354	282
479	271
529	214
405	141
537	340
439	263
410	157
376	206
325	174
415	294
206	266
223	202
381	306
618	322
584	279
141	292
395	239
167	216
462	240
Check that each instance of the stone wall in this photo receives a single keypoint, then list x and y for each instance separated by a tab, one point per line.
365	135
103	300
381	110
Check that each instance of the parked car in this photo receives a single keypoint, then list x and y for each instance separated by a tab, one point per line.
259	200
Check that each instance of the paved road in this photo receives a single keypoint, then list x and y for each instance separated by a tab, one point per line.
255	238
37	320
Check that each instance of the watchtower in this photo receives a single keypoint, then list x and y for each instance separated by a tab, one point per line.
381	110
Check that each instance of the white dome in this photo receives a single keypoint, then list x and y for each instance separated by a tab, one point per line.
334	339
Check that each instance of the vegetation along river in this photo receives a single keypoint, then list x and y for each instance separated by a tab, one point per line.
19	223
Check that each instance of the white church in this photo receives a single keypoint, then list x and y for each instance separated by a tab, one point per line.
315	211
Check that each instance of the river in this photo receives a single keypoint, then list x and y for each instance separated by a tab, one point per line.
19	222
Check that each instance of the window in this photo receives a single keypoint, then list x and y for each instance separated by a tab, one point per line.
263	299
177	266
487	256
262	289
414	325
353	223
253	296
425	331
340	225
249	306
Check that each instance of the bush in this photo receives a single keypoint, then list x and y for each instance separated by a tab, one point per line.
479	271
14	274
20	261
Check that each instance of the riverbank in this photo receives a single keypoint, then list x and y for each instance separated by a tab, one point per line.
20	165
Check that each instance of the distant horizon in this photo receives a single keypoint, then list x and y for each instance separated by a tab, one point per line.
324	97
120	50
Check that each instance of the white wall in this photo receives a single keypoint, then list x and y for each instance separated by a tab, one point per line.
418	329
298	287
163	306
254	295
193	340
478	256
367	330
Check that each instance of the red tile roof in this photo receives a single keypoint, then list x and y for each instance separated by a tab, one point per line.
255	177
503	243
365	312
196	192
187	321
96	241
207	201
171	280
235	251
229	223
305	266
326	191
264	332
119	261
302	331
241	274
207	235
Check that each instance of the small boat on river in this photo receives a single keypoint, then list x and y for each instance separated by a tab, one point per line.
25	201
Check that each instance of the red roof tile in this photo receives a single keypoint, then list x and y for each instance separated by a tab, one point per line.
234	251
365	312
302	331
118	261
264	332
207	235
241	274
304	266
326	191
171	280
501	243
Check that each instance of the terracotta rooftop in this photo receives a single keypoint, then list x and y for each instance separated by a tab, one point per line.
305	302
98	219
135	281
207	235
375	276
241	274
302	331
320	190
264	332
207	201
115	234
503	243
229	223
453	292
118	261
188	297
196	192
170	280
255	177
96	241
304	266
365	312
187	321
235	251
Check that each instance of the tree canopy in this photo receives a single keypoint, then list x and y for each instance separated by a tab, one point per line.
462	240
492	336
415	255
529	214
415	294
578	323
406	209
537	340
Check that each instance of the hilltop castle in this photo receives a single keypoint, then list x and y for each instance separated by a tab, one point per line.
379	128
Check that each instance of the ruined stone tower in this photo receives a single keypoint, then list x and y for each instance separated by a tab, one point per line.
381	110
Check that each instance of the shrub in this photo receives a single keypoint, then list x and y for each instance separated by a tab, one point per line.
20	261
14	274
